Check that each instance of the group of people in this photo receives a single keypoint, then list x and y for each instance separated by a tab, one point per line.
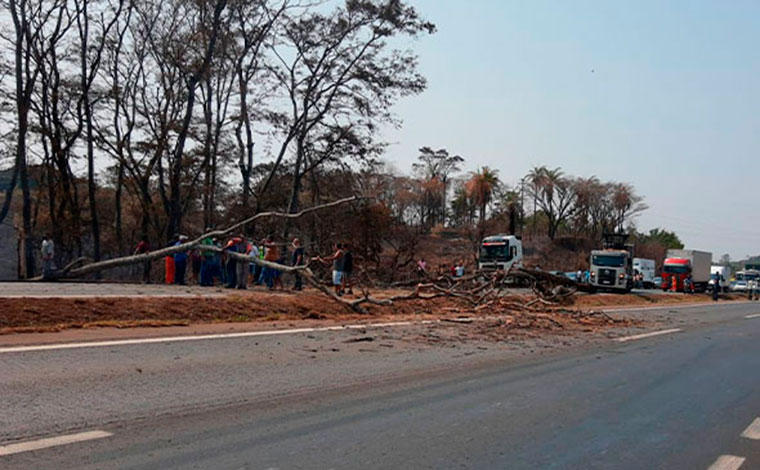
454	270
229	263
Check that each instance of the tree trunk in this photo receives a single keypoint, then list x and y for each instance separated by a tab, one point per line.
118	224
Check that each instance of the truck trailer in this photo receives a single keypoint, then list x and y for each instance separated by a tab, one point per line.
679	265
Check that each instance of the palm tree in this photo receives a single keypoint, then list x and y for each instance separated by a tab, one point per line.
480	188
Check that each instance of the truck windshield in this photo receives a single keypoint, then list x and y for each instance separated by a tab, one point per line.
675	269
608	260
495	251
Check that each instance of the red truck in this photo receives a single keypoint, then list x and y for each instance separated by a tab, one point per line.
680	264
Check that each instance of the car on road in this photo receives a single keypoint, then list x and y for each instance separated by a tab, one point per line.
657	281
739	286
572	275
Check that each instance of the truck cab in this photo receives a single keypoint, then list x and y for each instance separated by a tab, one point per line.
500	252
675	270
611	269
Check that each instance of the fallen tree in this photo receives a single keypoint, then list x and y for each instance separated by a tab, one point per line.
479	290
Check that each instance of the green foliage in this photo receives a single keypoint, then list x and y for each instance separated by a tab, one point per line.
669	240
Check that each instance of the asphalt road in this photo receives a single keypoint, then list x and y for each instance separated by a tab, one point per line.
677	401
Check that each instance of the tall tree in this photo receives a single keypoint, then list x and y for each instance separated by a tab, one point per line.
555	195
341	77
438	165
480	188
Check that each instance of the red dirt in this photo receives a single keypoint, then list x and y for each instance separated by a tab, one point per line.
54	314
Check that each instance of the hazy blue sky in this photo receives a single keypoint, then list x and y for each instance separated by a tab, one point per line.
661	94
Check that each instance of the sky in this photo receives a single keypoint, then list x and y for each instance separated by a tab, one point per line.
664	95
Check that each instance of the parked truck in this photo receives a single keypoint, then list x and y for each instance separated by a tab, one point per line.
645	267
500	252
612	267
679	265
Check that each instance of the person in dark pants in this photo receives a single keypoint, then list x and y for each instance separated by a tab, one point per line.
180	263
207	264
297	259
348	269
143	248
716	286
231	265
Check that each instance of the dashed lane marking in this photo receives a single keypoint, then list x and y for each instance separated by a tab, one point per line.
647	335
754	315
727	462
753	431
174	339
52	442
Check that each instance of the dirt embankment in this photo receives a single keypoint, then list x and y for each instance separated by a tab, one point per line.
53	314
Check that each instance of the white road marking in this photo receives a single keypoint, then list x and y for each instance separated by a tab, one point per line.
755	315
173	339
672	306
727	462
753	431
52	442
645	335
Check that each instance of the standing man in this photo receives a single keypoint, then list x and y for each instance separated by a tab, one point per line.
716	287
144	248
337	270
207	263
271	254
169	262
348	269
231	264
48	252
243	266
297	259
180	263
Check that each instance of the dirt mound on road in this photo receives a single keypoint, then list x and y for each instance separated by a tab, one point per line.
52	314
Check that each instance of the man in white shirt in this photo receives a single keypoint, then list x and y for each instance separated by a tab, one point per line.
48	252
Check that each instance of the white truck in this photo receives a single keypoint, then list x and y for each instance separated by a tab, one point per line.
680	264
500	252
646	268
611	269
721	275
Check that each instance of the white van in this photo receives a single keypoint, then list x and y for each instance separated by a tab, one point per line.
645	267
720	272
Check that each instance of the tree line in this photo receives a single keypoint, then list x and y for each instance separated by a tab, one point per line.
125	119
153	117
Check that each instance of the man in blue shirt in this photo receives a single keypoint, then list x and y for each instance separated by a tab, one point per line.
180	262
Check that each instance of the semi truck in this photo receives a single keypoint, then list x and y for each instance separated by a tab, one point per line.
612	267
500	252
680	264
646	268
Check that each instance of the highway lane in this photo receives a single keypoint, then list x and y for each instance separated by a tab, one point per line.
680	400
